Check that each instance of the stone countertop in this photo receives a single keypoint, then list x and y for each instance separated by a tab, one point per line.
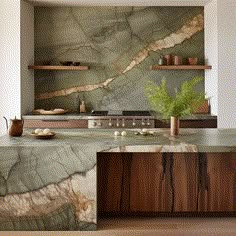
85	116
203	140
75	151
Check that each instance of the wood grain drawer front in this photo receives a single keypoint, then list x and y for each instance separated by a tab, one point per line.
208	123
149	183
56	124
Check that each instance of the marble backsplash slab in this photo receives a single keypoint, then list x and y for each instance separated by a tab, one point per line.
107	39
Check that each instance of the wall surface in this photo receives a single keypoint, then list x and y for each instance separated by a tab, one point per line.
10	61
221	53
211	54
227	61
27	57
108	39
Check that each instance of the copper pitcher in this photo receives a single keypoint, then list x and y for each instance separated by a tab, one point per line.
15	127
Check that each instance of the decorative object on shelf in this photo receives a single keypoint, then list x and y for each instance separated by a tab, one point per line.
192	60
168	59
15	128
204	108
82	107
184	103
66	63
177	60
76	63
161	61
57	111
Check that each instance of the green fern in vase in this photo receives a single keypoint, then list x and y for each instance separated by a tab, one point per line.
184	103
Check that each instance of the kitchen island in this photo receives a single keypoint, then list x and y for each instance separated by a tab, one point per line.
52	184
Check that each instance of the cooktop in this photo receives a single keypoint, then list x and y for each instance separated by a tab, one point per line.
120	113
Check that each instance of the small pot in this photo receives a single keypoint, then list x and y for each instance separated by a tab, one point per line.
174	126
168	58
192	60
161	61
177	60
15	127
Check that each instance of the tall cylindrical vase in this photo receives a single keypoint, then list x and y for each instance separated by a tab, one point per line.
174	126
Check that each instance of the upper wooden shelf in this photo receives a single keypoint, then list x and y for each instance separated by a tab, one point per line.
181	67
58	67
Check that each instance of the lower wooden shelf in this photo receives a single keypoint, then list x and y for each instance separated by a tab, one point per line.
33	67
181	67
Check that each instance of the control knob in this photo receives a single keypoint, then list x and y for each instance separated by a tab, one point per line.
99	123
143	123
123	122
117	123
133	122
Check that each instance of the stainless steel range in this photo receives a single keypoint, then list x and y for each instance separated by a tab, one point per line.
120	119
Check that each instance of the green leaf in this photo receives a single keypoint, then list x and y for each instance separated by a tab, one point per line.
184	103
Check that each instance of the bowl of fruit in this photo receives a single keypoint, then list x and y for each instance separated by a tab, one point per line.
43	134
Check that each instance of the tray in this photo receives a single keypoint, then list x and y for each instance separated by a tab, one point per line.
57	111
46	136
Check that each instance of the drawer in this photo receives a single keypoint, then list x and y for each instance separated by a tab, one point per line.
63	124
204	123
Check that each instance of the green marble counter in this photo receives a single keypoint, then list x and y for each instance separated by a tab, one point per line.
204	140
75	151
81	147
38	177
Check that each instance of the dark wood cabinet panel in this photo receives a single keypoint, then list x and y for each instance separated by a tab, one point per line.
149	185
110	182
166	183
64	124
204	123
218	192
184	176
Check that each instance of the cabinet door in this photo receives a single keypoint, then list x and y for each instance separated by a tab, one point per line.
218	193
204	123
184	181
150	183
109	182
66	124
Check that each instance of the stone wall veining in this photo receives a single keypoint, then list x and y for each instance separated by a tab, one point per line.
107	39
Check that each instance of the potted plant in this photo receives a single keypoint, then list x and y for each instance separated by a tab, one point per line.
183	103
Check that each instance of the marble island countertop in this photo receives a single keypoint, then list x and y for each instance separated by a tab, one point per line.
200	140
59	176
85	116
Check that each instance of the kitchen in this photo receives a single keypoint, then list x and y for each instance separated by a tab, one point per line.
122	94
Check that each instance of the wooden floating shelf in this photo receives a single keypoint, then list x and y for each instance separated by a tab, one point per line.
58	67
181	67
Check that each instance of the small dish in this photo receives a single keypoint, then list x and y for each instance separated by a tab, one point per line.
144	133
57	111
76	63
192	60
45	136
66	63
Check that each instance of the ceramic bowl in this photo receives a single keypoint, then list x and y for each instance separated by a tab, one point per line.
66	63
